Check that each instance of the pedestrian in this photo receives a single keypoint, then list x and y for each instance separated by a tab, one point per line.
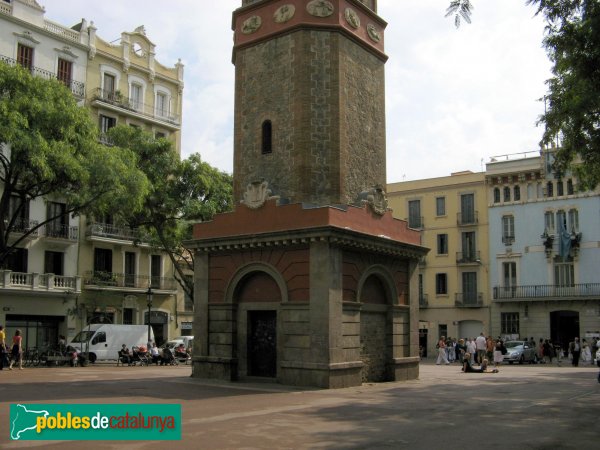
548	351
498	352
3	349
540	351
586	353
16	350
471	349
461	349
575	348
480	345
441	346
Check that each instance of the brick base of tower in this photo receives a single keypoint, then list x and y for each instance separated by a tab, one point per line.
322	297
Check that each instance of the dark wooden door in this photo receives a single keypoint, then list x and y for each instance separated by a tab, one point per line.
262	343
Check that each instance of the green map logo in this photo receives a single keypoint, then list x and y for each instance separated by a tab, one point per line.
95	422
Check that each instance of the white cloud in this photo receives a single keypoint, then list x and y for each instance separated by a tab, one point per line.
453	96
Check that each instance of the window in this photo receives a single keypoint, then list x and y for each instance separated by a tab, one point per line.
549	222
441	283
496	195
108	87
414	214
440	206
517	193
561	221
564	273
162	107
508	230
573	221
106	123
469	288
136	96
159	135
509	323
549	189
467	208
57	227
570	189
25	56
130	269
65	71
442	244
267	137
469	249
509	273
560	189
421	298
54	262
18	210
16	260
506	194
155	270
99	338
128	316
103	260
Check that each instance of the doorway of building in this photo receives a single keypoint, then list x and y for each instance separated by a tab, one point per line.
423	342
564	327
262	344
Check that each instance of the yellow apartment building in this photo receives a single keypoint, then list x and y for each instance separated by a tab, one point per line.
454	293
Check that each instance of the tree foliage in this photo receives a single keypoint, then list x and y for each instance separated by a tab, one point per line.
50	150
181	193
572	116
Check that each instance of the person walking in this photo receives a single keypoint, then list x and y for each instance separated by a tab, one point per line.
442	358
575	348
480	345
3	354
16	351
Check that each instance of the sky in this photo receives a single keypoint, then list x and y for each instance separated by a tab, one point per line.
454	98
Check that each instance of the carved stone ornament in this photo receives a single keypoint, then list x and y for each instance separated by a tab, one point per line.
320	8
373	33
352	18
257	193
251	25
377	200
284	13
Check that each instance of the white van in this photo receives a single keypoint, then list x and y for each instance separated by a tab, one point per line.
103	341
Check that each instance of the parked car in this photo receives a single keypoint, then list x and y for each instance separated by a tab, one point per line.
519	351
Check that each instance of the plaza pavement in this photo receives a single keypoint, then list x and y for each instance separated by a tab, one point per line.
521	407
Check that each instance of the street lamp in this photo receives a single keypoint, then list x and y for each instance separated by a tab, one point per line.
149	296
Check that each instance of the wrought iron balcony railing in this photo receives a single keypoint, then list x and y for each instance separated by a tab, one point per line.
110	231
469	299
67	232
23	225
115	98
468	257
546	291
467	218
76	87
103	279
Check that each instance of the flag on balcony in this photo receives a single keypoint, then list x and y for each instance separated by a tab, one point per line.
564	243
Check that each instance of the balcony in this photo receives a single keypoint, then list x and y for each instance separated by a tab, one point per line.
468	300
467	218
547	292
423	301
111	233
468	257
508	240
46	282
76	87
127	282
22	226
61	234
117	102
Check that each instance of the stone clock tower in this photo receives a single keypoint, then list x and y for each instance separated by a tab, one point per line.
310	281
309	98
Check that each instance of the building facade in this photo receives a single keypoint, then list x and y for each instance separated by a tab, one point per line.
453	279
80	269
545	250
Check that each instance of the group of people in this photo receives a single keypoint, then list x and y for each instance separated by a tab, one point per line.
476	350
152	354
14	352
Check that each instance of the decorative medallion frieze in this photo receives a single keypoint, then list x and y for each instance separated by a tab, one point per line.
251	24
320	8
377	200
373	33
352	18
284	13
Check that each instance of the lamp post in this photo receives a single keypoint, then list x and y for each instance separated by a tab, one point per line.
149	296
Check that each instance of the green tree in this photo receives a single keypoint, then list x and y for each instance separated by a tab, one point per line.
50	150
572	116
181	193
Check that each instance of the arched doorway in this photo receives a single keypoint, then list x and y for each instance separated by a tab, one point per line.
564	327
258	296
375	350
